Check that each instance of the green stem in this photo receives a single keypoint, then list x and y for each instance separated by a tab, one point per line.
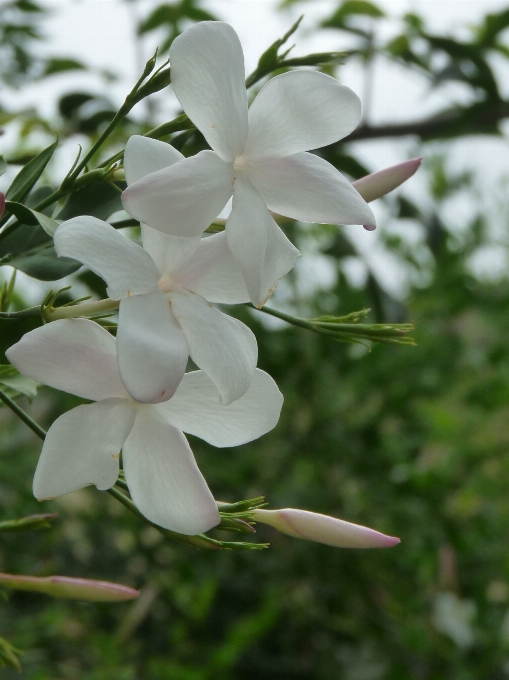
85	309
23	416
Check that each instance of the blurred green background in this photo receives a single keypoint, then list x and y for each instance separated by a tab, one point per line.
411	441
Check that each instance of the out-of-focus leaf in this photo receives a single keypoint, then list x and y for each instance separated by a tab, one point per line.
28	176
29	7
59	65
70	103
32	217
17	385
3	165
352	8
8	655
98	199
44	264
494	24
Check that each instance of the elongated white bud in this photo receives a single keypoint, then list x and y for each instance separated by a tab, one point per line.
324	529
70	588
380	183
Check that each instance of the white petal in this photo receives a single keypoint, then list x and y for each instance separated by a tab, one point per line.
324	529
213	273
222	346
152	350
82	447
207	74
72	355
262	251
143	156
163	478
170	253
125	267
305	187
300	111
195	409
183	199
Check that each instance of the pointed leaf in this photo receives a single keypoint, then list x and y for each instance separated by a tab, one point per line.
32	217
29	174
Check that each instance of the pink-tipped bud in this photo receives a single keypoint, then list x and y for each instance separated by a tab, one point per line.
2	204
324	529
380	183
70	588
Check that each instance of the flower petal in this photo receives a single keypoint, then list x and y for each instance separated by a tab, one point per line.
305	187
152	349
324	529
207	74
125	267
82	447
213	273
72	355
195	408
170	253
163	478
222	346
183	199
143	156
262	251
300	111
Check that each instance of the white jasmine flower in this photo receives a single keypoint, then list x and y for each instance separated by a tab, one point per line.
82	446
166	289
260	157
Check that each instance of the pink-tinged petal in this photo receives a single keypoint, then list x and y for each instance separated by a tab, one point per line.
170	253
380	183
152	349
207	74
195	408
70	588
144	156
260	248
82	447
125	267
300	111
222	346
323	529
72	355
163	478
213	273
307	188
183	199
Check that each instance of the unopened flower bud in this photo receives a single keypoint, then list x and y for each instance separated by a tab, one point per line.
70	588
380	183
323	529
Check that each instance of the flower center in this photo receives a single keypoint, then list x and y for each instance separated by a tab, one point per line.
241	164
166	283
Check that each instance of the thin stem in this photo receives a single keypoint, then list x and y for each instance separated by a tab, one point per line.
85	309
23	416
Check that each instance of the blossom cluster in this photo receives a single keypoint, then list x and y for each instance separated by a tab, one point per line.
167	288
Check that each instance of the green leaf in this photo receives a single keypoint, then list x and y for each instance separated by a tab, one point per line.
32	217
98	199
17	385
44	264
3	165
28	176
59	65
350	9
28	523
